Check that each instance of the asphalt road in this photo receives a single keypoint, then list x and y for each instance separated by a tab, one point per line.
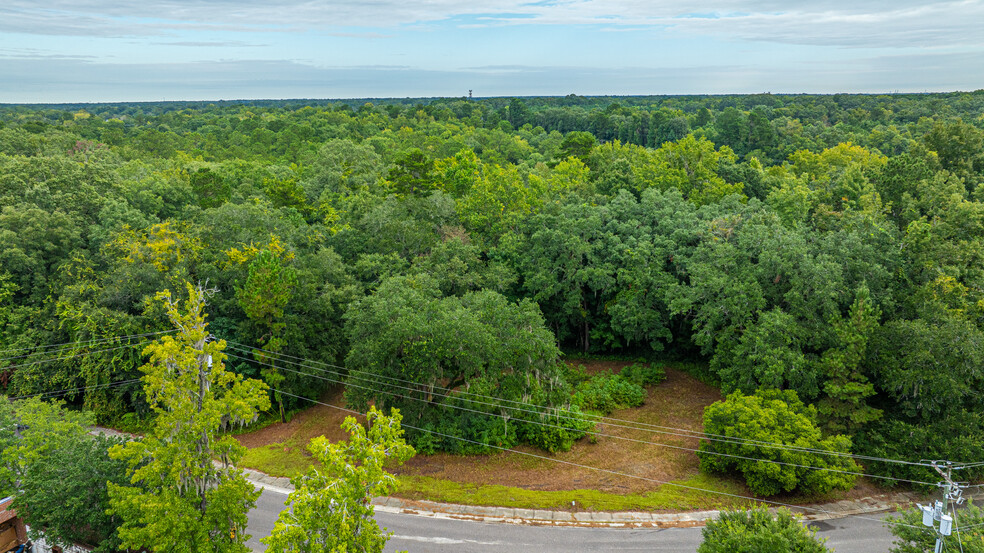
434	535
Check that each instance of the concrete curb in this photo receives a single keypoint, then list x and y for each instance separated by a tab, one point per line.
631	519
537	517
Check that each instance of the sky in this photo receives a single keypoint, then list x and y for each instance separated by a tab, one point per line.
66	51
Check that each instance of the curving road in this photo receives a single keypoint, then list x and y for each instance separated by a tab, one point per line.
436	535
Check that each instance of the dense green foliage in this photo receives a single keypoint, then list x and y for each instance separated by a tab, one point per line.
430	355
772	439
57	473
759	531
606	393
829	245
184	493
331	506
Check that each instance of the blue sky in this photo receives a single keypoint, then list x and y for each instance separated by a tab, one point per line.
127	50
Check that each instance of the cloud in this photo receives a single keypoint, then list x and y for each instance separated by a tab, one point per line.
877	23
38	54
932	25
212	44
70	80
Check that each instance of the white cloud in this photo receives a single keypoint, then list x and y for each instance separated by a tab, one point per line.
880	23
36	80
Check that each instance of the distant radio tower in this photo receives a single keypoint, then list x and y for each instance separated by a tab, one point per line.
469	94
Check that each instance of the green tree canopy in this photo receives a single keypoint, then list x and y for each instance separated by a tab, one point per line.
415	350
792	463
178	500
330	509
759	530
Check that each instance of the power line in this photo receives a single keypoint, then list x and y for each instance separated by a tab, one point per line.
42	361
622	423
633	425
568	417
596	433
608	471
54	393
76	344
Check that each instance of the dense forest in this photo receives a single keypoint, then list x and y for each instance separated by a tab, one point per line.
439	251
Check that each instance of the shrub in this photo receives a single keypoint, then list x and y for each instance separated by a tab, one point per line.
574	374
759	530
643	374
426	443
472	434
557	432
774	417
605	393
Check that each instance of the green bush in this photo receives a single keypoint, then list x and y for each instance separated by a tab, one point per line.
643	374
426	443
759	530
574	374
471	434
605	393
485	431
774	417
555	432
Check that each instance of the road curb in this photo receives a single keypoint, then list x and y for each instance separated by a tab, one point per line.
574	517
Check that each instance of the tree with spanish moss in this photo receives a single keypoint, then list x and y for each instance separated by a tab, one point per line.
179	500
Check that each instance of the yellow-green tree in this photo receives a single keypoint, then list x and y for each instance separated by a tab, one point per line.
330	510
179	500
690	165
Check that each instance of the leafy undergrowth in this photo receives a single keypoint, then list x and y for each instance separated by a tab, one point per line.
535	479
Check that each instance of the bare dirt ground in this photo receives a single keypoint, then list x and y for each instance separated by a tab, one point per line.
678	402
319	420
657	455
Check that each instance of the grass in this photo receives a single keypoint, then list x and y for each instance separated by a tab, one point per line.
282	460
517	480
666	497
277	460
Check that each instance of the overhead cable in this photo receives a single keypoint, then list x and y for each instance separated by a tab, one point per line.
621	423
596	433
607	471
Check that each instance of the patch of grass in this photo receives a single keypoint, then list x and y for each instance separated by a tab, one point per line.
666	497
277	460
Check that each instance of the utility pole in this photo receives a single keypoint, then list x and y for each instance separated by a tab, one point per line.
952	491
